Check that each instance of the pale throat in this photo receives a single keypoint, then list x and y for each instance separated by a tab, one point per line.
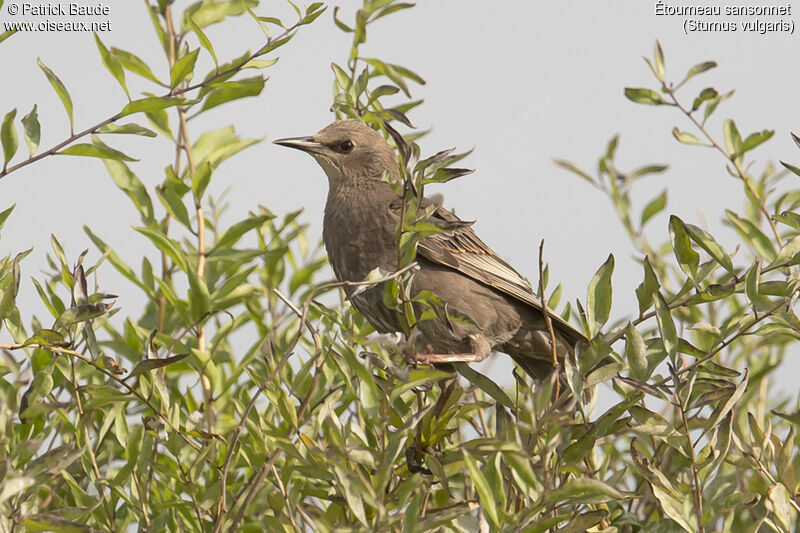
333	172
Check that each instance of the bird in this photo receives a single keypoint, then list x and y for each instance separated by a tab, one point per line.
499	309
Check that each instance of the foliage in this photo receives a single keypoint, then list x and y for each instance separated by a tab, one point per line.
166	419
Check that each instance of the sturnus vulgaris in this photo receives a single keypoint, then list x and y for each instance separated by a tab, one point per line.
362	211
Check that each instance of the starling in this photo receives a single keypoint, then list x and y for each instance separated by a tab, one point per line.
502	311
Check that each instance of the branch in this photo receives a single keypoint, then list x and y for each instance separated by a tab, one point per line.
287	34
548	320
732	159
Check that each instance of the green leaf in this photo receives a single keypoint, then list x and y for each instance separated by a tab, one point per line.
259	63
751	289
44	337
342	78
686	137
585	490
112	64
655	206
117	262
643	96
61	91
710	245
151	104
573	374
217	145
32	130
722	410
8	137
733	140
233	90
166	245
127	181
673	507
210	12
687	257
396	73
97	149
200	179
705	95
134	129
148	365
6	34
198	296
81	313
789	254
488	504
4	215
9	287
134	64
752	236
666	326
381	91
174	205
698	69
574	169
312	12
204	42
646	171
183	68
235	232
635	353
713	103
755	139
598	300
782	506
485	384
160	120
658	55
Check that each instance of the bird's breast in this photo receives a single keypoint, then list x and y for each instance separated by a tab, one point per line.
358	241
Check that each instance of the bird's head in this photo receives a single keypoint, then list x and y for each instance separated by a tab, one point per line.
349	151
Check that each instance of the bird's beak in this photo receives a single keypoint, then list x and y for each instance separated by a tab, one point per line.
306	144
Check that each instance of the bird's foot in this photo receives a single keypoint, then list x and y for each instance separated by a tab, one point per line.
434	358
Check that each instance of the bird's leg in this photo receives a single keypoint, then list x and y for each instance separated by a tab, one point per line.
480	351
435	358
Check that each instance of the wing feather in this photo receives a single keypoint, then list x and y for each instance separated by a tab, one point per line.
460	248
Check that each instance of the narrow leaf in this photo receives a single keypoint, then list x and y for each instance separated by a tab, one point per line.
32	130
8	137
148	365
204	42
669	335
61	91
183	68
655	206
112	64
685	137
687	257
643	96
598	300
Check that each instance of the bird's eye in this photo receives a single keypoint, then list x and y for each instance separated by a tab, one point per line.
346	146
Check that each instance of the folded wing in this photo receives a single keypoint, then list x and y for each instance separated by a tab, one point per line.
461	249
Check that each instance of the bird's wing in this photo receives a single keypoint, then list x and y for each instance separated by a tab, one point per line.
461	249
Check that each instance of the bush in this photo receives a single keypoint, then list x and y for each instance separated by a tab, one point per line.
165	418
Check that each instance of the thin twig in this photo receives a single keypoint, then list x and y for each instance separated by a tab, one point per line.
253	484
730	158
548	320
210	80
697	488
111	375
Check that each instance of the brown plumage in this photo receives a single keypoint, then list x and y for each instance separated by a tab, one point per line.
361	214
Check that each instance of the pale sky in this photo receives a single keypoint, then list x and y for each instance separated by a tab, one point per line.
521	82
